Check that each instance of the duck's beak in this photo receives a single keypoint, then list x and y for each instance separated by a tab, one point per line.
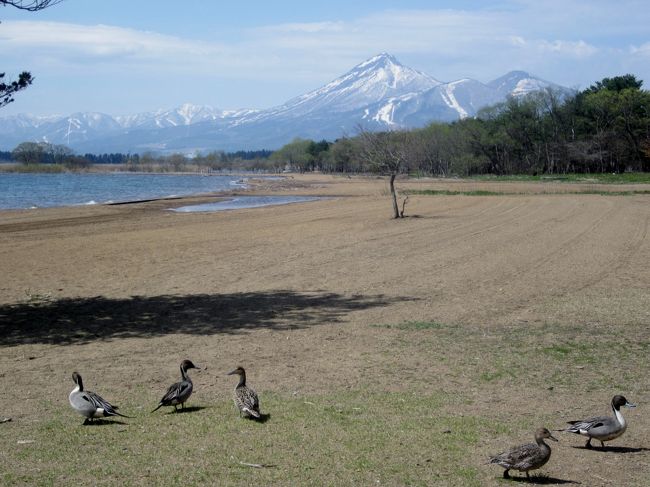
553	438
630	405
232	372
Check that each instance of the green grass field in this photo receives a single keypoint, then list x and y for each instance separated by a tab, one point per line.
402	428
603	178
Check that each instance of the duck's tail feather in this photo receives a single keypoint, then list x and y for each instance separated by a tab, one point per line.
115	413
252	412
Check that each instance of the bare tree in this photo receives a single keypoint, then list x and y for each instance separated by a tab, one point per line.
30	5
28	153
387	152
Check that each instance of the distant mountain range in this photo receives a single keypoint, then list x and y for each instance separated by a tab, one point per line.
378	94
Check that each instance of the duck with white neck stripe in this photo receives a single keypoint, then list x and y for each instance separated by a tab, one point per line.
90	404
602	428
179	392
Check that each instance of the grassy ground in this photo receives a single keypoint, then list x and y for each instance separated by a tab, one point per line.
603	178
401	428
447	192
359	438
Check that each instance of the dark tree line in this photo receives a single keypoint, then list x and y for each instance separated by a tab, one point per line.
247	155
34	153
113	158
605	128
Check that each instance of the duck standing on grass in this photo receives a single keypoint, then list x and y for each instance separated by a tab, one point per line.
530	456
90	404
602	428
179	392
245	398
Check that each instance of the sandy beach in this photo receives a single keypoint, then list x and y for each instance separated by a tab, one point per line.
312	298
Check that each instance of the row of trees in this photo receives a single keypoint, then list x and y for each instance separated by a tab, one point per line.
605	128
33	153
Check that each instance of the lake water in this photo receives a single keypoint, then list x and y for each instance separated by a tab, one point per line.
48	190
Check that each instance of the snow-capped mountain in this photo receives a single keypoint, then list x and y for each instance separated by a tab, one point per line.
372	81
186	114
517	83
378	94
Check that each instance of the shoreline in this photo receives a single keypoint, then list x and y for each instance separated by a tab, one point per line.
236	182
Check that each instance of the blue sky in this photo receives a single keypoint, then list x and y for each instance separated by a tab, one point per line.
130	56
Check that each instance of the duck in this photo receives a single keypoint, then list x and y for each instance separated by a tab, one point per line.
530	456
90	404
179	392
602	428
245	398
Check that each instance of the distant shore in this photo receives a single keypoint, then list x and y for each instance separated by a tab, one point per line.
14	167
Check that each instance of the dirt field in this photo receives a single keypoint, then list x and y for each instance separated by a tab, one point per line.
519	310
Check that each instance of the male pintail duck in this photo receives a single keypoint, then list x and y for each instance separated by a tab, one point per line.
245	398
602	428
179	392
90	404
526	457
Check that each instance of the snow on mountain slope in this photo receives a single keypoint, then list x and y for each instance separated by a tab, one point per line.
376	79
519	83
378	93
454	100
450	99
186	114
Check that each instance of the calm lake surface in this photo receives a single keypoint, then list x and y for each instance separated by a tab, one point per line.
48	190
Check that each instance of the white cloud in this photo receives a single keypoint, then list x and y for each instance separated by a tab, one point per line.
517	41
312	27
566	41
452	37
577	49
97	43
642	50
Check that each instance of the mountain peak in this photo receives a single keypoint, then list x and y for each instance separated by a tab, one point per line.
379	77
382	58
519	83
517	73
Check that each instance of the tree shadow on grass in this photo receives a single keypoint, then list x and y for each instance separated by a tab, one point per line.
83	320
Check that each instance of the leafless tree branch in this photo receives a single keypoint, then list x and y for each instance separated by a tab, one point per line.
30	5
